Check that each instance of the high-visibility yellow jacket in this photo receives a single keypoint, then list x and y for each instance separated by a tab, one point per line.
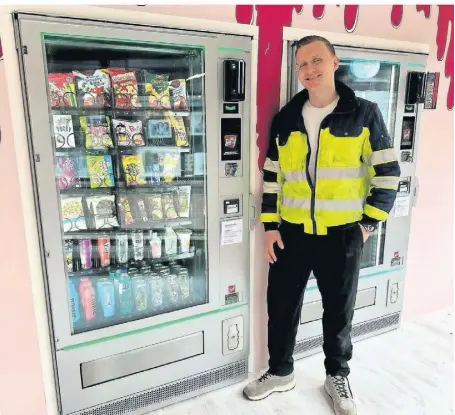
357	171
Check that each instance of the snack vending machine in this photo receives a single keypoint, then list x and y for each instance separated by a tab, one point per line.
394	80
139	145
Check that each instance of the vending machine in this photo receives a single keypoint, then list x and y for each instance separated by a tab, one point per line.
139	146
394	80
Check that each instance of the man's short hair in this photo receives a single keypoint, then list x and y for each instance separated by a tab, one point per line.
313	38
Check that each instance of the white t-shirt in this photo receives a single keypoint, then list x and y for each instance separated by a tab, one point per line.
312	117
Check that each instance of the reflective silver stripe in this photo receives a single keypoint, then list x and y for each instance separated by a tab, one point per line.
336	205
272	187
270	165
381	157
341	173
352	204
294	202
295	176
389	182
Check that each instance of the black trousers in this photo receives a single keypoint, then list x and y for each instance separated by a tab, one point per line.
335	262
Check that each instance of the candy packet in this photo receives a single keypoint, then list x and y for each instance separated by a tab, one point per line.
100	171
126	217
73	214
179	96
183	198
97	131
61	89
94	90
155	206
181	137
103	211
128	133
168	206
133	169
124	84
157	90
63	131
168	166
67	172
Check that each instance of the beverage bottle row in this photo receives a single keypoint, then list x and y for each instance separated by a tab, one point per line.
128	293
85	254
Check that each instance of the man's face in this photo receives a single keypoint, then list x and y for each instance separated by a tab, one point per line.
316	65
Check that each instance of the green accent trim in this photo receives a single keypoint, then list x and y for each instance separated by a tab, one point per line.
235	50
373	274
416	65
156	326
113	40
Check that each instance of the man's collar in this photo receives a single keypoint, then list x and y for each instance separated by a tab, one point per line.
348	101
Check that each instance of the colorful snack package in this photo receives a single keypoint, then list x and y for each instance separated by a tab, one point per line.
124	84
168	166
67	172
184	197
157	89
125	211
100	171
73	214
181	137
140	208
133	169
94	90
62	92
179	96
63	131
155	206
168	206
103	210
97	131
128	133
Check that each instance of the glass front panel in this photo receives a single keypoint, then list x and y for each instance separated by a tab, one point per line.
128	126
376	81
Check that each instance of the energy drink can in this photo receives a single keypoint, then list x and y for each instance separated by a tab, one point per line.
122	248
104	251
85	252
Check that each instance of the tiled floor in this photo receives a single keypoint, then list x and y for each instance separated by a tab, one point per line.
407	371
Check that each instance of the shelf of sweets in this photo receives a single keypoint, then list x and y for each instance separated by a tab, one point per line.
95	272
149	112
112	232
154	148
147	187
86	191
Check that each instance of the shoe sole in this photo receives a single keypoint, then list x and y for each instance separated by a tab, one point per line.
281	389
334	409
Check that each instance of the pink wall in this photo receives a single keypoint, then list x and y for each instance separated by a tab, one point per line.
21	383
429	279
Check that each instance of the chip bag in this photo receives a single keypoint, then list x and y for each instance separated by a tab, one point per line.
124	84
157	90
63	131
126	216
97	131
133	169
94	90
100	171
181	138
67	172
62	92
103	210
128	133
73	214
179	96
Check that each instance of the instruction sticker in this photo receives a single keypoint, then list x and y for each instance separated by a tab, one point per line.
231	232
402	205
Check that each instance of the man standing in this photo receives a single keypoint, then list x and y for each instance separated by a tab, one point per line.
330	176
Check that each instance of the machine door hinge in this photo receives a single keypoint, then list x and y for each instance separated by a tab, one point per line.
24	50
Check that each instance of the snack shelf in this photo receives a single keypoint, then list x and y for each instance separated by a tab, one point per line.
151	261
95	233
149	112
86	191
82	151
146	188
155	148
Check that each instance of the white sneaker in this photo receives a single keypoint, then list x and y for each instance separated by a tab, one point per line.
339	390
267	384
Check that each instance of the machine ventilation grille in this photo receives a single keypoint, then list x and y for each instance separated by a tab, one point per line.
358	330
147	399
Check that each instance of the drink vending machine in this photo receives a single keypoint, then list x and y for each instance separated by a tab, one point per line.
394	80
139	146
